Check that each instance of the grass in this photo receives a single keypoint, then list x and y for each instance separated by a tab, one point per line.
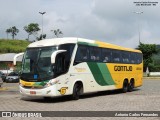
13	46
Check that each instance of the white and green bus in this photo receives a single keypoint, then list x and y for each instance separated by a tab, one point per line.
75	66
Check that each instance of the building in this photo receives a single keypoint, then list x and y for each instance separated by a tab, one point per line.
6	61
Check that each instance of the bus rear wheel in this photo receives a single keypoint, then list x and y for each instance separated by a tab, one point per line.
125	86
131	86
76	91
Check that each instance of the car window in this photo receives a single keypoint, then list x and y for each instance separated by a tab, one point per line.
13	74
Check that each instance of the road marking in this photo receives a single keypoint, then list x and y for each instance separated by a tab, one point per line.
6	88
3	88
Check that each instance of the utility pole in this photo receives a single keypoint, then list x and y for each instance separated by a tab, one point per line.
42	13
139	13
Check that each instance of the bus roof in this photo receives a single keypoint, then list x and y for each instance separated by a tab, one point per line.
59	41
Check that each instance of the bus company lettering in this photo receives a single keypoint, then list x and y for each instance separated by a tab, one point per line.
122	68
80	69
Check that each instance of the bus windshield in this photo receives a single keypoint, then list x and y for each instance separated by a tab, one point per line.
36	64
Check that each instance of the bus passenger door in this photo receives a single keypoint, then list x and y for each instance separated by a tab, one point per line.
61	68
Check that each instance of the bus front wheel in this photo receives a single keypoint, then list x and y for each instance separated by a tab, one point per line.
76	91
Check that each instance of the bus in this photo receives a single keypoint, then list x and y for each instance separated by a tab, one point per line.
75	66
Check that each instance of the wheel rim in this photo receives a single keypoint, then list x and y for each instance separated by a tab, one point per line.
76	92
131	85
125	86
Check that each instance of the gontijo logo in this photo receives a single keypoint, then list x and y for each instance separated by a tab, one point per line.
63	90
122	68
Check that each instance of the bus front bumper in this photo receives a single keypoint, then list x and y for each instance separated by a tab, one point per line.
48	91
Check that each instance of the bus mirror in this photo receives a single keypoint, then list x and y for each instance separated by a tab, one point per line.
15	58
54	54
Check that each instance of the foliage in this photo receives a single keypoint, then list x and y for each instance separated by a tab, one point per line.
12	46
41	37
8	31
13	31
148	50
155	66
3	66
57	32
32	29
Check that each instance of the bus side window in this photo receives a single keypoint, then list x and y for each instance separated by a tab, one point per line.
125	57
95	54
60	64
132	58
116	56
138	58
106	55
82	54
92	54
68	54
98	53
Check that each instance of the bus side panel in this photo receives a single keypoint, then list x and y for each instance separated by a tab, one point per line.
120	72
92	77
102	76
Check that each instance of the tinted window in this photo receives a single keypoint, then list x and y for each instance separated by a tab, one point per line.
13	74
138	58
132	58
106	55
95	54
116	56
67	55
69	48
82	53
125	57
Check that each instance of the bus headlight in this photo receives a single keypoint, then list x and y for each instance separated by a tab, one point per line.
52	82
20	84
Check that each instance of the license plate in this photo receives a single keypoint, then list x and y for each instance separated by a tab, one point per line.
32	92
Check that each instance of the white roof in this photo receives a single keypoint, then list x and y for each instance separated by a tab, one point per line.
58	41
8	57
52	42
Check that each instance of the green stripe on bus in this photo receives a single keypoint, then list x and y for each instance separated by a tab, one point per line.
43	83
89	44
105	73
101	73
96	72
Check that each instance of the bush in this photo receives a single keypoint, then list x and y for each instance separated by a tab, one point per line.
13	46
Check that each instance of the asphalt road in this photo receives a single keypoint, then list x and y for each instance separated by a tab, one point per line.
145	98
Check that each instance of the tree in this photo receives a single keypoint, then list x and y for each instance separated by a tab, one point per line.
57	32
41	37
13	30
7	32
148	50
32	29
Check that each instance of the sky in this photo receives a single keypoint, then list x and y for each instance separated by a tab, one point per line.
112	21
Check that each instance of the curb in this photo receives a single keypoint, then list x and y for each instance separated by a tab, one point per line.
151	78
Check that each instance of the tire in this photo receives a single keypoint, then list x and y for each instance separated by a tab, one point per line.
6	81
125	86
76	91
131	86
47	98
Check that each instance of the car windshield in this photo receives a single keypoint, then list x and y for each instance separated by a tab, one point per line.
37	64
13	74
